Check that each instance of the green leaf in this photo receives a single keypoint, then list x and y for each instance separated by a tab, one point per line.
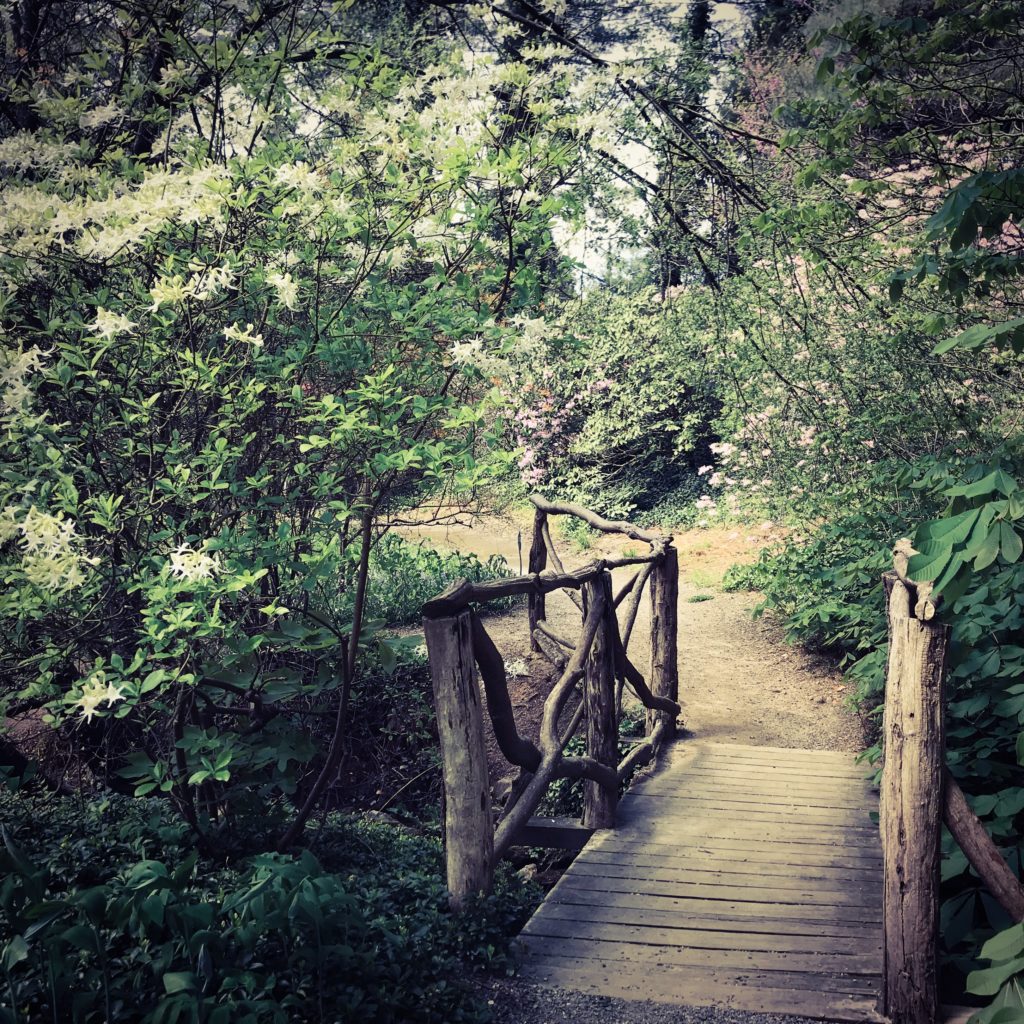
989	981
953	581
953	530
925	567
1010	543
14	952
988	551
1006	945
980	334
179	981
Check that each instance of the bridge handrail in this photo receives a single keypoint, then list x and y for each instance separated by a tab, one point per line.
459	647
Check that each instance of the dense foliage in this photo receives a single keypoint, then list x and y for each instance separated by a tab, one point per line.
279	279
116	919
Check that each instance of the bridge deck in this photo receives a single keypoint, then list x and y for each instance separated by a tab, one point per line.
747	877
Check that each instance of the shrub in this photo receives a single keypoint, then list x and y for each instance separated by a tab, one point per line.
108	918
404	574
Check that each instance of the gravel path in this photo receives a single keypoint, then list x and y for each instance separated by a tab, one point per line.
514	1002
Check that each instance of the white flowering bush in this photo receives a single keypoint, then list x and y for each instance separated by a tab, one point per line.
242	255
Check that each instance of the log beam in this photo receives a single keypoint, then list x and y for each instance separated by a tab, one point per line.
599	802
911	809
536	610
983	854
664	639
468	826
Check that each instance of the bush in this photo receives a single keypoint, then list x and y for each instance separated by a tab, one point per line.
403	575
107	917
618	414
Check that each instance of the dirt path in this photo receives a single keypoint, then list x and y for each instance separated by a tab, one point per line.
740	681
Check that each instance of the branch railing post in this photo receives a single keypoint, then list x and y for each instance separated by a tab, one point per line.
664	637
468	824
911	807
599	802
536	609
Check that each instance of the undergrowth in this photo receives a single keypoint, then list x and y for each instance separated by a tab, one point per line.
113	918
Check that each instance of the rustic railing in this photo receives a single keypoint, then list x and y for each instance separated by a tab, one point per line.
918	796
596	667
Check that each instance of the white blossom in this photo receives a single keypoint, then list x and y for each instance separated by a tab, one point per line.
108	324
245	334
287	289
50	547
188	563
95	690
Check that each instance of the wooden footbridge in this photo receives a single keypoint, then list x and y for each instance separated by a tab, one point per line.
750	877
746	877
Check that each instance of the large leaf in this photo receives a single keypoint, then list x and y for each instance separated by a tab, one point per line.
927	566
1009	332
989	981
953	530
1010	543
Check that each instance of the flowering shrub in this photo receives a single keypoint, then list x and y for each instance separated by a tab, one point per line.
618	413
237	274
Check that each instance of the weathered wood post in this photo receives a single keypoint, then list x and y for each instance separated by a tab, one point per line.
664	637
911	807
536	610
599	803
468	827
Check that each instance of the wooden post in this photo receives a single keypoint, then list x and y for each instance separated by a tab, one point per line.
664	637
468	826
536	610
911	808
599	803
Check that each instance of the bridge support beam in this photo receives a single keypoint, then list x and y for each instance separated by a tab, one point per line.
468	827
600	802
536	610
911	808
664	629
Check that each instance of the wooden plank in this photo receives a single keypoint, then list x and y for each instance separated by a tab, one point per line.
796	771
836	973
694	938
766	832
742	789
825	913
554	834
799	882
750	809
743	750
723	851
700	989
737	877
780	850
748	893
674	922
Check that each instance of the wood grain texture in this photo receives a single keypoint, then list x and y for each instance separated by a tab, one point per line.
599	802
767	900
911	810
664	630
468	830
